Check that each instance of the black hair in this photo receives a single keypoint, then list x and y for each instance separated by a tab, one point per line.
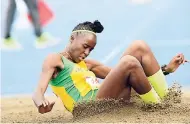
95	27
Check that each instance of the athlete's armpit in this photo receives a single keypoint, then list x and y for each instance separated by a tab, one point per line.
100	70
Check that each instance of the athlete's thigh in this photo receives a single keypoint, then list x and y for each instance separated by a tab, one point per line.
126	93
114	83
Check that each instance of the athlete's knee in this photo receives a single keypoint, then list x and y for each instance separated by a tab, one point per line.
129	62
141	46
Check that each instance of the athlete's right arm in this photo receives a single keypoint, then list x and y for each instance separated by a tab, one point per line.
51	62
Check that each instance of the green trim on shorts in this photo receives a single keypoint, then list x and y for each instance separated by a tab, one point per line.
91	95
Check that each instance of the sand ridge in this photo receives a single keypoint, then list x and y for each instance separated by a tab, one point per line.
22	109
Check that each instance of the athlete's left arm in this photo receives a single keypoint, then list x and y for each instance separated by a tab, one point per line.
100	70
174	64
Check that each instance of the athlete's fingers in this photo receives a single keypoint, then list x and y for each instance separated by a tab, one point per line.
178	58
44	103
52	104
182	58
47	102
187	61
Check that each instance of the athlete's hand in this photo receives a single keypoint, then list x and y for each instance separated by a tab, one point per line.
175	63
44	109
42	104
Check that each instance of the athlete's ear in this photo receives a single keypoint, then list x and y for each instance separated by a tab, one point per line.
72	38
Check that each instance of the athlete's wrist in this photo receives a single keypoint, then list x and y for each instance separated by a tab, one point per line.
165	69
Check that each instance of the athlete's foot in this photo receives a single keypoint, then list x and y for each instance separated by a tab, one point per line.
10	44
45	40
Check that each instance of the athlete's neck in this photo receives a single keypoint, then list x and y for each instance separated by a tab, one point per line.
67	55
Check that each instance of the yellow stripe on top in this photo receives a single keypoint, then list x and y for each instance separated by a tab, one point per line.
82	64
67	100
78	75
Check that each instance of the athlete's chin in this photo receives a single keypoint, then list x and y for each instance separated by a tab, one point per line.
78	60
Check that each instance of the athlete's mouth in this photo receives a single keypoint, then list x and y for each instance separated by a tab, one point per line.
81	58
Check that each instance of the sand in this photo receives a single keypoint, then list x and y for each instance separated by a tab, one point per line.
21	109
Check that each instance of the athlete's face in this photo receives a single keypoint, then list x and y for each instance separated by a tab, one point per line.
81	46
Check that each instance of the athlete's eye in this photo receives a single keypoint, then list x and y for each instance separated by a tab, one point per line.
85	46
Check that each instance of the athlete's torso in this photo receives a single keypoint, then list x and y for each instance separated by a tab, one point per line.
74	81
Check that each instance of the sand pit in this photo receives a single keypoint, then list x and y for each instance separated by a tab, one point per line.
176	109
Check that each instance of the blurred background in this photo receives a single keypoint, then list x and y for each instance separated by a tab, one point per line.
164	25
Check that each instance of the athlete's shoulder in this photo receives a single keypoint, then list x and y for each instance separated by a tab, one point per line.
53	56
53	59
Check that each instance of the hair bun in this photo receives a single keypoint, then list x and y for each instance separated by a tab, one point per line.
98	28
